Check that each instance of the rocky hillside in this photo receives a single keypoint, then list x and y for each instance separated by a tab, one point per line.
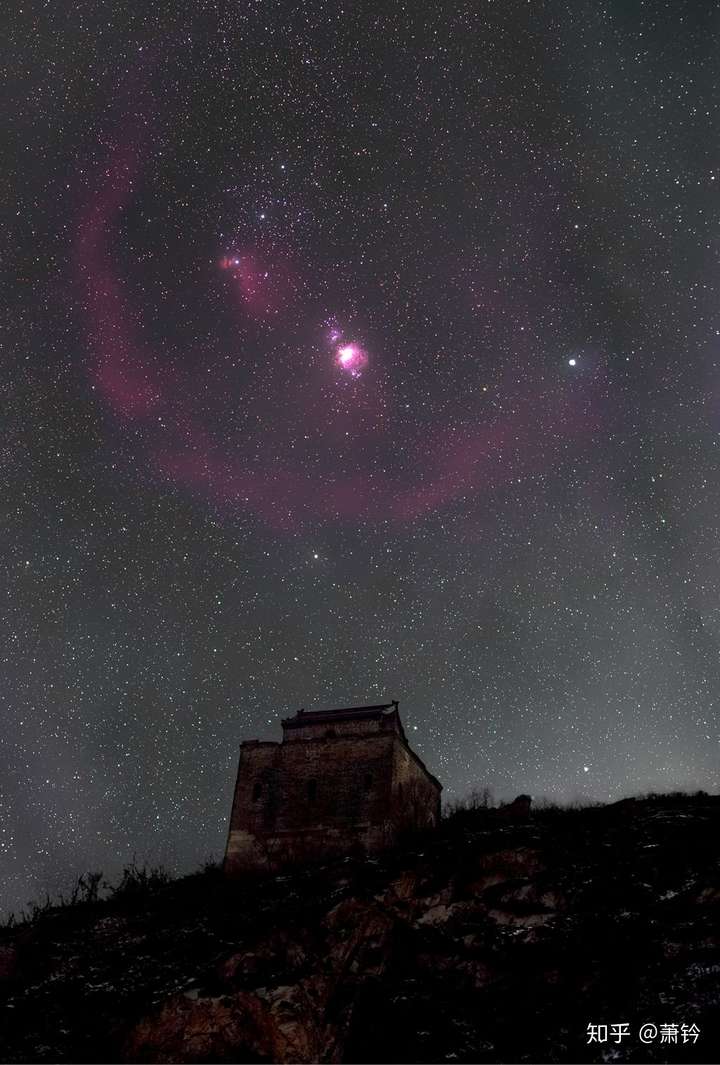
490	941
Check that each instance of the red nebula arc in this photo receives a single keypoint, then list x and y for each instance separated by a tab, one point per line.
287	491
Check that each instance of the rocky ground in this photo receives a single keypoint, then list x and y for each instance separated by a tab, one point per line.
490	941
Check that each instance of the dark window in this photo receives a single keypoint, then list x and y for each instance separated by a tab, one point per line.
257	791
367	782
312	790
330	732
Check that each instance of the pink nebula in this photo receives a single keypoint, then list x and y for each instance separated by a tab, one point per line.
351	358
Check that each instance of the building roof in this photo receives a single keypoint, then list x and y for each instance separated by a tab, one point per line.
346	713
358	713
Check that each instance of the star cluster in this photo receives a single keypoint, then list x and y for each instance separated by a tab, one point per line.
354	352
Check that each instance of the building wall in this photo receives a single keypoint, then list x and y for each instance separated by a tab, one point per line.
416	797
251	819
298	801
350	777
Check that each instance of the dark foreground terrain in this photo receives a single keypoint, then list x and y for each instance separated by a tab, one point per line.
491	941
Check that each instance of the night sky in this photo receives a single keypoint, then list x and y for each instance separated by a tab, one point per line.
353	352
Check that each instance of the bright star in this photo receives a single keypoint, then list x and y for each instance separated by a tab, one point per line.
572	362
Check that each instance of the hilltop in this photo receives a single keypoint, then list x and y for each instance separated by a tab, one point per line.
487	941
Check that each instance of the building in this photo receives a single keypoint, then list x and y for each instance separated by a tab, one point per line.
340	782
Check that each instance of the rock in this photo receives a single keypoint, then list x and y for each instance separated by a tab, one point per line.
480	973
268	961
8	963
404	887
280	1026
436	915
497	867
524	897
185	1030
519	920
361	937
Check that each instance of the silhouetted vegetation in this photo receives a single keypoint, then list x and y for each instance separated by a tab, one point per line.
478	799
137	883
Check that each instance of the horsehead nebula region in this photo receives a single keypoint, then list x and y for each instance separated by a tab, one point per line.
263	280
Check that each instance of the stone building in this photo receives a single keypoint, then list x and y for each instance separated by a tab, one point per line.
340	782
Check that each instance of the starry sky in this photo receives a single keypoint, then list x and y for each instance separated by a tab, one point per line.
352	352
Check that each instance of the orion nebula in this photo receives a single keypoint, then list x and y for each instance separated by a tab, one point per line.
351	358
